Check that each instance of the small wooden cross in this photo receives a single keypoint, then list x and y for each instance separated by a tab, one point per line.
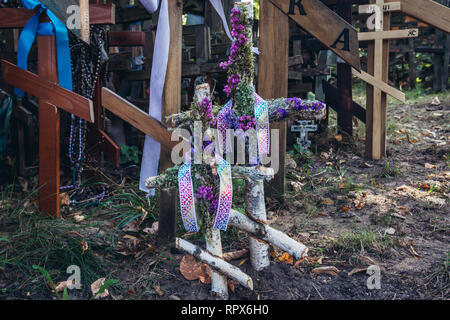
44	86
377	75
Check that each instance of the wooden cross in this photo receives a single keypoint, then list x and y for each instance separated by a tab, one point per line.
316	18
377	75
51	97
97	135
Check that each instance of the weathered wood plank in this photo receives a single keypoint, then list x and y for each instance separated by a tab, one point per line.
273	72
17	18
392	6
331	94
171	104
126	38
137	118
48	91
49	132
394	34
430	12
333	31
397	94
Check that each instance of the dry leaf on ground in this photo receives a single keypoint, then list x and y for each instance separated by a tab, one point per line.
286	257
153	229
193	270
158	290
65	199
327	201
356	270
228	256
231	285
95	287
333	271
430	166
84	246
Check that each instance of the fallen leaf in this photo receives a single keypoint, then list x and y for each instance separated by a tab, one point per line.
64	199
298	262
153	229
158	290
315	259
242	262
95	287
345	208
228	256
356	270
389	231
430	166
366	165
402	188
286	257
412	250
403	210
231	285
205	276
272	252
60	286
79	218
84	246
342	184
144	214
193	270
327	201
435	101
338	137
359	204
333	271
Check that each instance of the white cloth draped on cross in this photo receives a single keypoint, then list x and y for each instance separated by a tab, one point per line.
152	148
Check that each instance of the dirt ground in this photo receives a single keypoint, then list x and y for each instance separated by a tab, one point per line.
350	212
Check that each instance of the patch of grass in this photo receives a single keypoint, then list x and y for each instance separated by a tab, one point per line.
362	241
29	238
390	169
438	282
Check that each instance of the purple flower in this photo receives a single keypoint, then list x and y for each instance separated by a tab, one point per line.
282	112
213	207
205	193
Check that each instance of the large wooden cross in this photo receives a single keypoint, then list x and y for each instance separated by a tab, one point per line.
377	73
316	18
51	97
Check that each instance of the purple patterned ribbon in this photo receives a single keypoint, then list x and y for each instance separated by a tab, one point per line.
262	125
226	194
187	201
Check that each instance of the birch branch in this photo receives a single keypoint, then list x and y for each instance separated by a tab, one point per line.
217	264
268	234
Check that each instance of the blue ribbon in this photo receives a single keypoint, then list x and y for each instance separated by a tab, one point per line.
28	35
